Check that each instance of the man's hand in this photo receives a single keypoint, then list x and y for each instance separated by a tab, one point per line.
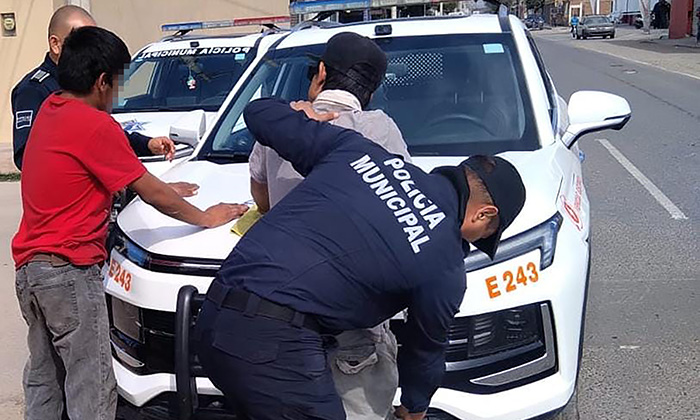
184	189
162	146
309	111
221	214
402	413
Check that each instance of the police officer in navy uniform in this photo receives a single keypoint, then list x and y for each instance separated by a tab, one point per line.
363	237
38	84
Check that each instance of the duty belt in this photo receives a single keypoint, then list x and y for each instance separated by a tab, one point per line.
253	305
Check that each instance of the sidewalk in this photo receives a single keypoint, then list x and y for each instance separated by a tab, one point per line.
6	164
654	49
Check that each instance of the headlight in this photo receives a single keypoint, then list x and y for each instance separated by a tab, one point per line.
162	263
542	237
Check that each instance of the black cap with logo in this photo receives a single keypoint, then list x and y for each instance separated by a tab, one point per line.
507	191
357	57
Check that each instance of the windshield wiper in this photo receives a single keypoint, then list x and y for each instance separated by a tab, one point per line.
225	157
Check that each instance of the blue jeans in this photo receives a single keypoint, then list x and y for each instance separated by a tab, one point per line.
69	370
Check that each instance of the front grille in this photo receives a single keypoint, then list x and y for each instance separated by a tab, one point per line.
160	322
466	356
152	350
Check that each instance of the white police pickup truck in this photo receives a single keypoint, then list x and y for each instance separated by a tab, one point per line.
456	86
174	87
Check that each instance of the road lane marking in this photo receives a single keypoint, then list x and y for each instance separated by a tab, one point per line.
655	192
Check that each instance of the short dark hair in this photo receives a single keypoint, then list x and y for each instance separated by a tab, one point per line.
87	53
475	182
337	80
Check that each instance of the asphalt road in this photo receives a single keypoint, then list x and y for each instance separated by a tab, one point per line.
642	341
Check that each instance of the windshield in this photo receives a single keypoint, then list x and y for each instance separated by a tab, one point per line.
182	79
451	95
597	20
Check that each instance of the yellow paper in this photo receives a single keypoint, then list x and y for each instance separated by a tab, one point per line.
246	221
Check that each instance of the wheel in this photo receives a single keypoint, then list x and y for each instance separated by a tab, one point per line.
612	35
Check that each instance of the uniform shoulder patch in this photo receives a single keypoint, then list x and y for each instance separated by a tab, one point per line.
23	119
40	75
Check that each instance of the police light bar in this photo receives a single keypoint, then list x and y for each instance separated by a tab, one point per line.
218	24
318	6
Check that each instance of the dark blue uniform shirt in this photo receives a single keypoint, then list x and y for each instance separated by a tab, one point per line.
27	97
365	236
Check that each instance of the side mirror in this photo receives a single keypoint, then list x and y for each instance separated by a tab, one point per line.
189	128
591	111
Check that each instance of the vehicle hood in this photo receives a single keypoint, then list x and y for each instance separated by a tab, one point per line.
160	234
163	235
154	124
541	176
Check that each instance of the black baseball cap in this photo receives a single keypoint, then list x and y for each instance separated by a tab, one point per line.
347	52
504	184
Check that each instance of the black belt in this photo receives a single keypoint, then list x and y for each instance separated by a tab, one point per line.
253	305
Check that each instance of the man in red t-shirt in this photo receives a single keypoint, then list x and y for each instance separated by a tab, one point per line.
76	159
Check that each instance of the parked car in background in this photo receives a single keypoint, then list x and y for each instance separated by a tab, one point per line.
174	87
595	25
534	22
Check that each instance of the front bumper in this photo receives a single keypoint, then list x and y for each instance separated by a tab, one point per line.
153	397
563	285
598	32
162	408
540	389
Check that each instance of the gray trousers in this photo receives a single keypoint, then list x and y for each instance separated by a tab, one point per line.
69	370
365	373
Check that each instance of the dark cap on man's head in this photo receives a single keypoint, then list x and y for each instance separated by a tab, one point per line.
507	191
347	52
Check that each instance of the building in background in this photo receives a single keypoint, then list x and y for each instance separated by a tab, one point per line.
347	11
23	36
590	7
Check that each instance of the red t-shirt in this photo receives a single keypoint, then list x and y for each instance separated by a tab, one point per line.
76	158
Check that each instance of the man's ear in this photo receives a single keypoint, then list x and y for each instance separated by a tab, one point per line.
55	45
103	82
487	211
321	75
